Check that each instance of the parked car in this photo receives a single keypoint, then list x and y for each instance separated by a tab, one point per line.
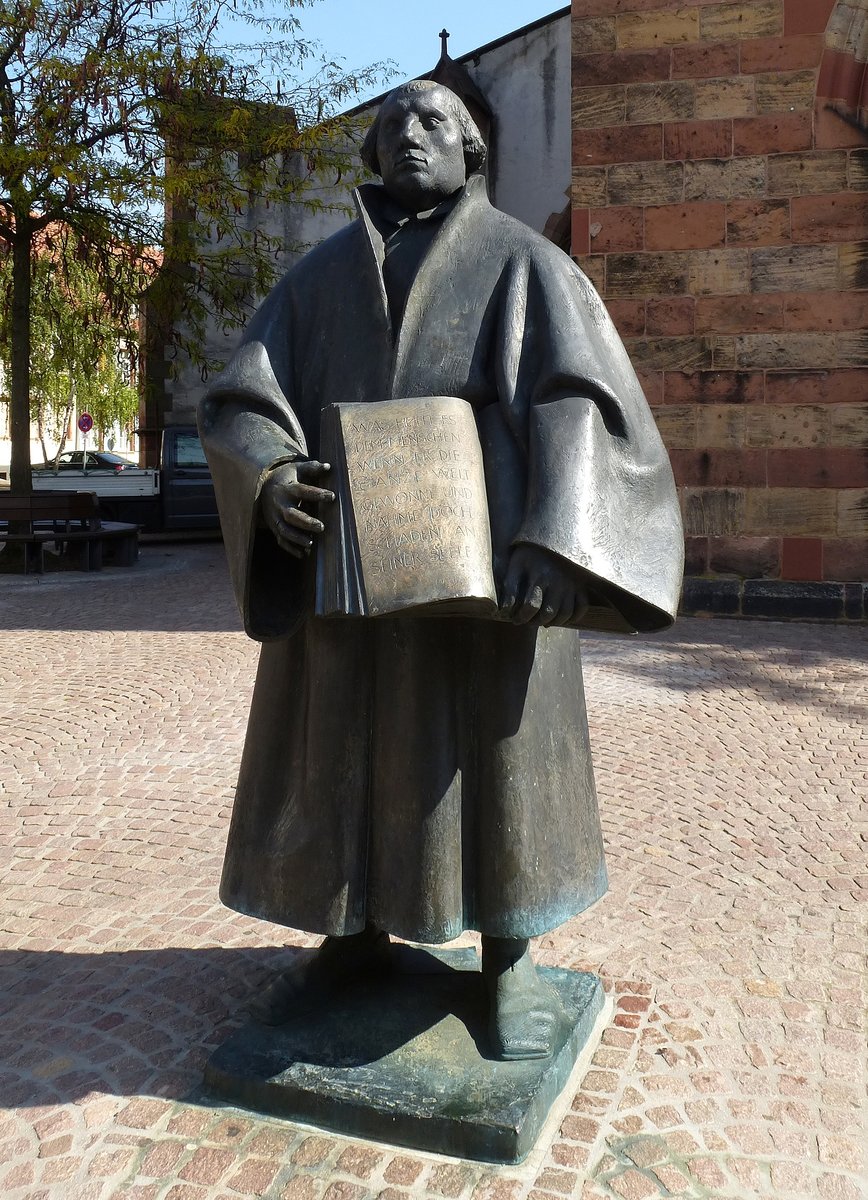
95	460
177	494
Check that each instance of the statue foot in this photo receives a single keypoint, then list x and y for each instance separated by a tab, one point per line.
310	983
524	1012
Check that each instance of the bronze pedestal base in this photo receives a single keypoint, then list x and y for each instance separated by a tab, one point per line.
403	1058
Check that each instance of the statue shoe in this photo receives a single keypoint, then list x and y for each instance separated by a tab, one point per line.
314	980
524	1012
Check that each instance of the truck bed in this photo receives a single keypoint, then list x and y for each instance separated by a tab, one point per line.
115	484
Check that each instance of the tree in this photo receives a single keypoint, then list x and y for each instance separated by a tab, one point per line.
113	112
80	358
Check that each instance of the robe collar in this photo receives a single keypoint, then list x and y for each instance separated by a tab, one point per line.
389	216
376	209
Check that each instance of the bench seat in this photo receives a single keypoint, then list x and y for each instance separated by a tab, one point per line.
71	521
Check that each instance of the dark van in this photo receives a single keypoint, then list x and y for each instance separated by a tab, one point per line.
184	498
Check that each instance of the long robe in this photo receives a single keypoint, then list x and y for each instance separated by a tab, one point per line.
430	774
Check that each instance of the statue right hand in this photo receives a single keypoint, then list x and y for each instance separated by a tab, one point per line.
284	491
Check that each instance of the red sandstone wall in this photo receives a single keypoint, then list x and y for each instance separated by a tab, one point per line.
720	208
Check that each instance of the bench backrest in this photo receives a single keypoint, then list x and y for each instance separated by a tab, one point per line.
50	506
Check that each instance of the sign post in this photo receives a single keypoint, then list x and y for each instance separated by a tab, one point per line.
85	424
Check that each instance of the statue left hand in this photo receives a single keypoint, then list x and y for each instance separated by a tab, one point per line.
541	587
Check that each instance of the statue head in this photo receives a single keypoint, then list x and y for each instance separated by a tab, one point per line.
423	143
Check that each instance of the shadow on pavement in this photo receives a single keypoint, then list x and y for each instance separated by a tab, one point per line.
140	1022
185	588
144	1022
812	666
176	588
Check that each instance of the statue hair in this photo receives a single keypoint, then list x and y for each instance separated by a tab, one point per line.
475	150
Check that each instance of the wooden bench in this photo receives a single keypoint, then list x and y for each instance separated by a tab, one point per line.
71	521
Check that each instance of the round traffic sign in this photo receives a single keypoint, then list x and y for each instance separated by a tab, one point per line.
85	422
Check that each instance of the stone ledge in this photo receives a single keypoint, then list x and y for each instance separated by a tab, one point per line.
774	599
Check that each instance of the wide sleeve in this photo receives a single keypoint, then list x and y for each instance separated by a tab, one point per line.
600	491
248	428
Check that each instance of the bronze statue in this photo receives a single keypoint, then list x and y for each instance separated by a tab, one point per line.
419	776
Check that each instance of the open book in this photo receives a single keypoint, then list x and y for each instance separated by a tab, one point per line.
409	528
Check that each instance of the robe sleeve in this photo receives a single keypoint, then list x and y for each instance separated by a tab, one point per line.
248	428
600	490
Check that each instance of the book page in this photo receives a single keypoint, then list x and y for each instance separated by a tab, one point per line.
415	475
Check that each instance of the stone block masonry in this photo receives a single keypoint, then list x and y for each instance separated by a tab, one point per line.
720	207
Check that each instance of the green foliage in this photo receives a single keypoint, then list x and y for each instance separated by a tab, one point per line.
115	112
80	358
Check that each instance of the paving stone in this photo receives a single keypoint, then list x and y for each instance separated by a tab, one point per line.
257	1174
628	1125
60	1169
646	1152
632	1185
208	1165
837	1187
673	1179
163	1158
449	1180
580	1129
791	1179
182	1191
500	1187
842	1152
664	1117
313	1151
344	1191
360	1161
551	1180
403	1171
731	761
304	1187
110	1162
570	1154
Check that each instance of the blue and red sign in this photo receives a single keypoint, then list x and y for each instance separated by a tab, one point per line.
85	422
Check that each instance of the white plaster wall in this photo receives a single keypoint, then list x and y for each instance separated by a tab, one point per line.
526	82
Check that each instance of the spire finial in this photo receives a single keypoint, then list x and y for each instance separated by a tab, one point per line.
444	42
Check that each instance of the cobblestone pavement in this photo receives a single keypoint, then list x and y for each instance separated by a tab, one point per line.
731	764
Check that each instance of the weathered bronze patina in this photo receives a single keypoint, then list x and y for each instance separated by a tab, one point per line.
420	776
396	1058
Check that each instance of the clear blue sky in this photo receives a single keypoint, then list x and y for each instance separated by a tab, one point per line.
366	31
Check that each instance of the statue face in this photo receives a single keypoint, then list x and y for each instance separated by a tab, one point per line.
421	148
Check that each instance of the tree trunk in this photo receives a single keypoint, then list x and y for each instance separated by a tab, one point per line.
67	420
40	427
64	427
20	478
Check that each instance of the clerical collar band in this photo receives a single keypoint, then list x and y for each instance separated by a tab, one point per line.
385	212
